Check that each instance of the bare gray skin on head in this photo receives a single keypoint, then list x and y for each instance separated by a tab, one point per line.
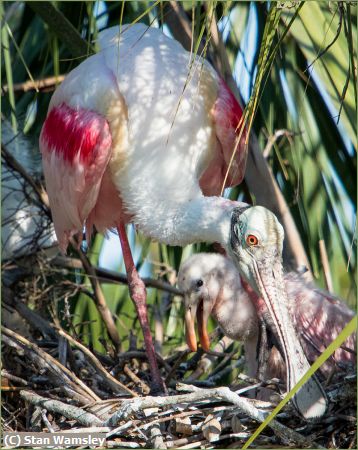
256	243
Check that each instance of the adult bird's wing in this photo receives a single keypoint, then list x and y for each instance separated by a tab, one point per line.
75	146
319	317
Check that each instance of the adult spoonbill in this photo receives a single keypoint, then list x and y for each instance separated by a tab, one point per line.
213	286
141	132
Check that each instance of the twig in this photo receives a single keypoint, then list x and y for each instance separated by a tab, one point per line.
13	163
14	378
46	421
272	139
218	394
55	406
130	374
63	28
38	85
32	317
178	360
157	437
197	441
99	297
215	377
112	276
114	384
137	354
43	359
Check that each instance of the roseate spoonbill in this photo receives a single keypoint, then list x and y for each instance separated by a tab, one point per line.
212	286
140	132
256	241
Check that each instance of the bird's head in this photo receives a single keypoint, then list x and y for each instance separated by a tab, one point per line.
256	242
200	280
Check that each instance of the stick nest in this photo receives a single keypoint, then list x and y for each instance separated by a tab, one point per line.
53	382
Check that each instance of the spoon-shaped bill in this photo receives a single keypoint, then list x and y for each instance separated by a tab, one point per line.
310	400
256	247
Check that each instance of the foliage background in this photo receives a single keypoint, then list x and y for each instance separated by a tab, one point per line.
301	65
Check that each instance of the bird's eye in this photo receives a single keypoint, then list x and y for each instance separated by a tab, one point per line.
251	240
199	283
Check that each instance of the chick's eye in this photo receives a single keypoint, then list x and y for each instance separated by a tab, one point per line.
251	240
199	283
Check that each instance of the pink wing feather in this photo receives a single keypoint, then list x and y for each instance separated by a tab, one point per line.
227	114
76	147
319	317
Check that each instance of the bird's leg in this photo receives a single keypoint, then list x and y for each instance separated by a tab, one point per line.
138	294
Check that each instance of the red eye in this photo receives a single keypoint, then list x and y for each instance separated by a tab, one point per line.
251	240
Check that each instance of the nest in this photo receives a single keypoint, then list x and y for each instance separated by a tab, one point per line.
53	382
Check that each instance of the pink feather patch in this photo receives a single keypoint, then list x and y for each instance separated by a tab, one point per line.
76	146
229	154
74	133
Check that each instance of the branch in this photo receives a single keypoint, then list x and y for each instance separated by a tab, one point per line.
57	407
99	296
37	85
39	190
44	360
132	407
112	276
63	28
114	384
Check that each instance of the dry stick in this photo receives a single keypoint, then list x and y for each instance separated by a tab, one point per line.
62	27
111	276
114	384
14	164
51	364
46	421
208	359
197	394
86	430
137	354
32	317
55	406
64	385
272	139
325	265
14	378
130	374
38	85
156	437
99	297
203	412
125	444
180	358
197	441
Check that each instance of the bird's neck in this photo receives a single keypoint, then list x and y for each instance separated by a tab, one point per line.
203	219
234	311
